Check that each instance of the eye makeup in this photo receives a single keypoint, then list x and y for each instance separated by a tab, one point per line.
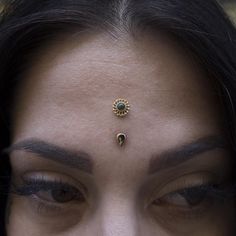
56	188
191	196
48	194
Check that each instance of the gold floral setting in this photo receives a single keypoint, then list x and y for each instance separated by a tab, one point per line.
121	107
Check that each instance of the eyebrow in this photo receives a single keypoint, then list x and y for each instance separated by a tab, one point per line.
79	160
179	155
82	161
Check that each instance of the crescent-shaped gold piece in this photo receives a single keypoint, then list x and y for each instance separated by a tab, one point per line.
121	107
121	138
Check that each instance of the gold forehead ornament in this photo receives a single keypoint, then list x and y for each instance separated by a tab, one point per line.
121	137
121	107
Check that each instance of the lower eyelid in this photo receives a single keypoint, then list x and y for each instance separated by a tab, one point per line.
182	213
42	207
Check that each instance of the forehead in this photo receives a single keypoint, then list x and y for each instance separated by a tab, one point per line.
73	82
123	63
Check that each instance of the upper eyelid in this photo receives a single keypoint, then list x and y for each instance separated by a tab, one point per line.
33	186
47	182
55	177
42	180
177	191
48	185
86	186
185	181
213	191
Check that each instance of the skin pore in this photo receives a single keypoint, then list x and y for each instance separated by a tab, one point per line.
166	180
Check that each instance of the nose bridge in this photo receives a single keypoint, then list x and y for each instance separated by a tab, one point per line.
118	217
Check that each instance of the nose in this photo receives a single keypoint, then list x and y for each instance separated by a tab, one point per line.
118	217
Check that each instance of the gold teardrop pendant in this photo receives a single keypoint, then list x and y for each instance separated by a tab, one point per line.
121	138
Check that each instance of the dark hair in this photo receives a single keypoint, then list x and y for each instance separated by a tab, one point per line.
199	25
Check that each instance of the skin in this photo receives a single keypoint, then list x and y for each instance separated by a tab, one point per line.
66	99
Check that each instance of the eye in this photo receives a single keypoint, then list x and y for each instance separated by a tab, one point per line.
60	194
51	191
188	197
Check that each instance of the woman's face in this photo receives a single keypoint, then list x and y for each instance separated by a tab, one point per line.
70	175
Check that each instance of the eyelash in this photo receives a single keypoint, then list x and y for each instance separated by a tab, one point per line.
212	196
31	187
211	190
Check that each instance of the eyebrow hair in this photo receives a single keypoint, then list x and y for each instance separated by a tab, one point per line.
79	160
83	162
177	156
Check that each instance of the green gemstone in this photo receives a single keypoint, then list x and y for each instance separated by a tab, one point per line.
120	106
